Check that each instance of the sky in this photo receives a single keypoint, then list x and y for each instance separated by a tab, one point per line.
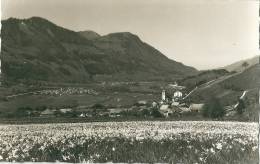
205	34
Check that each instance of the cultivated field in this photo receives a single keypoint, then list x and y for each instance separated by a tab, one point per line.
146	141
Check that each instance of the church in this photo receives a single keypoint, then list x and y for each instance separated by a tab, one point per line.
174	93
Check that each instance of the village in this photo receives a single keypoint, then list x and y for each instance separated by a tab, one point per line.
173	102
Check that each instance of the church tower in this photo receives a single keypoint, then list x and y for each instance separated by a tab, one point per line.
163	95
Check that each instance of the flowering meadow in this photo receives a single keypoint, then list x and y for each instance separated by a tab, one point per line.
141	141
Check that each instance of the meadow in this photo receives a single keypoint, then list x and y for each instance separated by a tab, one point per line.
135	141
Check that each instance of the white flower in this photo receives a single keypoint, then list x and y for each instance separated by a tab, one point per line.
254	148
219	146
212	150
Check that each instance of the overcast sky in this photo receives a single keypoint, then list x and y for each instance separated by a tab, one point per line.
201	33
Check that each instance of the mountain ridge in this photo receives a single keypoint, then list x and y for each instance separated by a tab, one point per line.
36	49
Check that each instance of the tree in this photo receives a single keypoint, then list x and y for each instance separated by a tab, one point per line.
213	108
145	112
245	64
23	111
156	113
241	106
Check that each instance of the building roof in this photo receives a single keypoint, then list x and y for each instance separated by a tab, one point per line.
47	112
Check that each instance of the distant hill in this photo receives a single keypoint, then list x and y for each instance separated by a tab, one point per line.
36	49
89	34
242	65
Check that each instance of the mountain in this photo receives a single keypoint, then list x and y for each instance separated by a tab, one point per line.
242	65
36	49
89	34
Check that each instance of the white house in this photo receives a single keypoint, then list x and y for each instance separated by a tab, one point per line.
196	107
177	94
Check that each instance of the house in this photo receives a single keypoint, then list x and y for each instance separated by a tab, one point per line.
65	110
164	107
154	104
165	110
114	112
47	113
177	94
196	107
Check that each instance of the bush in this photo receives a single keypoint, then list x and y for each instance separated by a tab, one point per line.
23	111
241	106
213	109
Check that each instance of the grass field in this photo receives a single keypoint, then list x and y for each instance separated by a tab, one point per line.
146	141
109	94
